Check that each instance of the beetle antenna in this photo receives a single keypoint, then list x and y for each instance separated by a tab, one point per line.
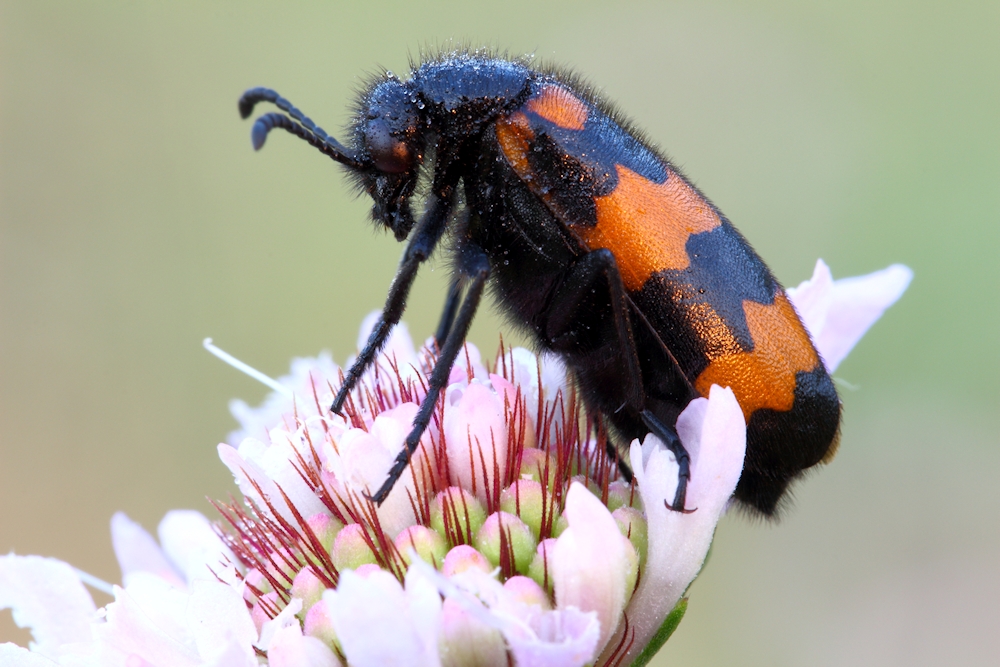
250	99
329	147
304	128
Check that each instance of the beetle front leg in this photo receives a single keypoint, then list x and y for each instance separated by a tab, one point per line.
424	240
476	268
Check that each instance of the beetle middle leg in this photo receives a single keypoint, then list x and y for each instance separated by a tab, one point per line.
570	311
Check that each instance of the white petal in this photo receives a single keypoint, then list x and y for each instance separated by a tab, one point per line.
467	640
160	603
192	545
284	619
46	595
290	648
714	433
378	623
12	655
137	551
147	621
219	620
589	562
253	463
838	312
277	408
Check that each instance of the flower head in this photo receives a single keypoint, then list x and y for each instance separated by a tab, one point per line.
512	537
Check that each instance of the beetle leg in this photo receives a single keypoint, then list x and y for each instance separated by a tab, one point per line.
451	304
424	240
567	310
669	437
475	267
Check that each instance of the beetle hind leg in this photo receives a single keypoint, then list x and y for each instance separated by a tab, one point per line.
670	438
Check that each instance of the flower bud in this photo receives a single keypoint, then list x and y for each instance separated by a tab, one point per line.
526	591
350	549
258	581
536	464
462	558
633	526
457	515
524	499
623	494
318	624
260	613
307	587
429	545
518	539
539	571
476	432
325	528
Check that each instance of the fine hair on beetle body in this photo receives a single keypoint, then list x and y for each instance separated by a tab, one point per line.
592	243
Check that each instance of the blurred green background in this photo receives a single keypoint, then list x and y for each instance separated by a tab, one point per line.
135	220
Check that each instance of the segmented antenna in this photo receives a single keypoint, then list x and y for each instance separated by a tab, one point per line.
296	123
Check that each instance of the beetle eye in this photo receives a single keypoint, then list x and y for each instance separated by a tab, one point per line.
388	153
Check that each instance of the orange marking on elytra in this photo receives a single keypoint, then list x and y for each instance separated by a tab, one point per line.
558	105
765	377
514	134
646	225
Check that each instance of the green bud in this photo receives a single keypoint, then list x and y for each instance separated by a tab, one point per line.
429	545
535	463
520	541
524	499
621	494
350	549
318	625
457	515
325	528
633	525
539	565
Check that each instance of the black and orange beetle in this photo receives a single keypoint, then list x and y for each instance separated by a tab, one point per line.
593	242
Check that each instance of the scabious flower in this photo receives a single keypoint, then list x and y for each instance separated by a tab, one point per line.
511	538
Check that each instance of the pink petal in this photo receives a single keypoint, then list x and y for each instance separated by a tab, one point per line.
589	561
290	648
255	461
378	623
366	457
137	551
46	596
837	313
475	430
399	345
535	636
559	638
714	433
